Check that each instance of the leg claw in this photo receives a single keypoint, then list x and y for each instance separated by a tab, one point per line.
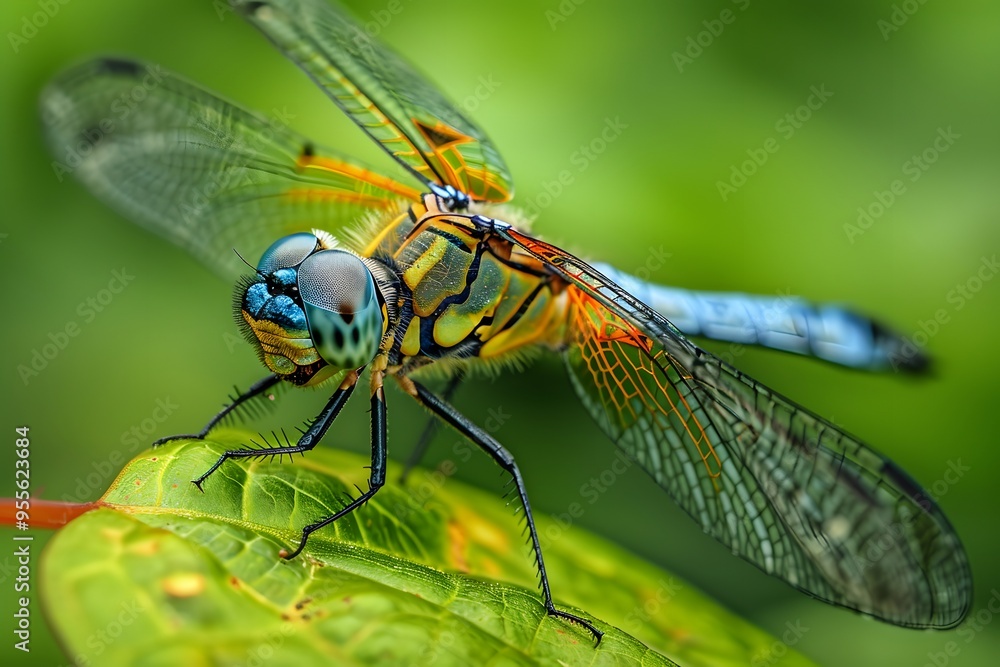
572	618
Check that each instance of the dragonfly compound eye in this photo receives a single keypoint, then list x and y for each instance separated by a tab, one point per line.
345	318
286	252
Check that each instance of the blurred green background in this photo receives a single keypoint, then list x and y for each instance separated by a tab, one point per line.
557	72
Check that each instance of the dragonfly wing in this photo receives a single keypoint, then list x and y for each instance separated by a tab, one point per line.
780	486
200	171
384	95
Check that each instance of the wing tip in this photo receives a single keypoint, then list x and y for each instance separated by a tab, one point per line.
66	119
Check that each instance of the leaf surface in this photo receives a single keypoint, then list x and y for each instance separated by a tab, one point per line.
433	573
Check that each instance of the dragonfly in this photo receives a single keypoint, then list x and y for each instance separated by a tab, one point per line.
437	276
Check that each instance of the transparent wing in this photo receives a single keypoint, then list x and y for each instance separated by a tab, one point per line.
384	95
203	173
783	488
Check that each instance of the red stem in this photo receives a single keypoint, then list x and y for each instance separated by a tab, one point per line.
50	514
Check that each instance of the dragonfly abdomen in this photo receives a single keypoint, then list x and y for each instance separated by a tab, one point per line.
792	324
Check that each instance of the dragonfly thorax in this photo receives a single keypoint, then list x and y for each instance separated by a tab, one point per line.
312	309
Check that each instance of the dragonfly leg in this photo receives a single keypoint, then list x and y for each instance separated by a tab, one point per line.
377	477
309	439
237	402
430	429
505	460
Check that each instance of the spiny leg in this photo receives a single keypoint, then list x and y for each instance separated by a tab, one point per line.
488	444
309	438
430	429
377	477
254	391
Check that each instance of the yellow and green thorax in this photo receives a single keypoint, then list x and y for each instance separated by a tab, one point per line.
464	292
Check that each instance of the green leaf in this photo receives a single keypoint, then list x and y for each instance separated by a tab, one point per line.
432	573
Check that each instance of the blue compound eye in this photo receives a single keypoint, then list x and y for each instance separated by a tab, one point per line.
345	319
286	252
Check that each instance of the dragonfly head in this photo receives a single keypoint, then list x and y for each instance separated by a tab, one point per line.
313	310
